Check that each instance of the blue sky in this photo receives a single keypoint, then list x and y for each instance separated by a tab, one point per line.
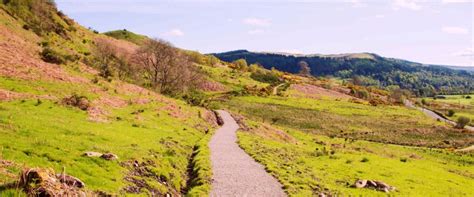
426	31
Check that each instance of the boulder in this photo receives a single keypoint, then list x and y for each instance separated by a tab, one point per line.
109	156
373	184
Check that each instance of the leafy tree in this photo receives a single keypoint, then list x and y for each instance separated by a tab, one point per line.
241	64
304	68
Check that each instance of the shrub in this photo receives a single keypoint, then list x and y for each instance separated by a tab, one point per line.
468	97
265	77
51	56
365	159
451	113
195	98
424	102
403	159
75	100
462	122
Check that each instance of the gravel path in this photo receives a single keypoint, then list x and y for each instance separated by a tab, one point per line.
434	115
234	172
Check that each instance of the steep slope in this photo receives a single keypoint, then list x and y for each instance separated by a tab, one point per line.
380	71
54	107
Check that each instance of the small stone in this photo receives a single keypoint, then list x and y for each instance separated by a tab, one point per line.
92	154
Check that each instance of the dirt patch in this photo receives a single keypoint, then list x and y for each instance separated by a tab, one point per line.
6	95
212	86
312	91
97	114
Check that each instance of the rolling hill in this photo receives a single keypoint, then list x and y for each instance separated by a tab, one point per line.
375	70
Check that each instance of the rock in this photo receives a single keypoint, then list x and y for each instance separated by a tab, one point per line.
70	180
109	156
360	183
92	154
371	183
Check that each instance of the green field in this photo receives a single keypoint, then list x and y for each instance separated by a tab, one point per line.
325	145
461	105
387	124
318	163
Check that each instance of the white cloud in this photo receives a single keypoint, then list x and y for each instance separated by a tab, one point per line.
256	31
456	1
409	4
174	32
455	30
379	16
259	22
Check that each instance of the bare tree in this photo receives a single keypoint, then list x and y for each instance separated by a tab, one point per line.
105	52
168	69
305	70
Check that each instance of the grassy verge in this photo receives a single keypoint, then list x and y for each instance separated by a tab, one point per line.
322	164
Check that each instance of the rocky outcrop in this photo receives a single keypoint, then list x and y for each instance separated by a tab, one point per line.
373	184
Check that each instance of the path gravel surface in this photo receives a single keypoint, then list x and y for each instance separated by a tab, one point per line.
234	172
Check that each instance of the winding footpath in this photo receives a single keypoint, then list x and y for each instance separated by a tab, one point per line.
433	115
234	172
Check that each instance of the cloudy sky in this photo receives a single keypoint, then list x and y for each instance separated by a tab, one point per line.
426	31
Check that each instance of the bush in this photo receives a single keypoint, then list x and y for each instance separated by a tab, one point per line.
424	102
265	77
462	122
365	159
195	98
451	113
468	97
51	56
75	100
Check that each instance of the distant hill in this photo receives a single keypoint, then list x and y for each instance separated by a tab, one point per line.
468	68
373	69
127	36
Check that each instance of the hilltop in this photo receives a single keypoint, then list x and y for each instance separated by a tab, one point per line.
373	70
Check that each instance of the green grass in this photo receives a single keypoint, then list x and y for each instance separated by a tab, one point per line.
388	124
50	135
458	103
233	79
318	163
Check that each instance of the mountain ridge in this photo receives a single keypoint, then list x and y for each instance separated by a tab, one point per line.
422	79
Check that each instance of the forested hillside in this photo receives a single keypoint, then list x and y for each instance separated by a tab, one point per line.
370	69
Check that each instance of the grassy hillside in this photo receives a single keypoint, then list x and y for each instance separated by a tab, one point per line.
379	71
161	143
